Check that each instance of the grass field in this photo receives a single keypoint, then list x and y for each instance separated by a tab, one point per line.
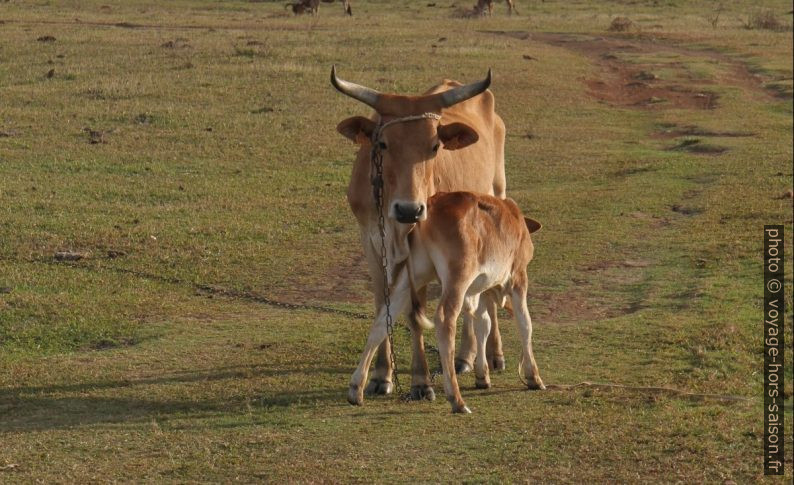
187	151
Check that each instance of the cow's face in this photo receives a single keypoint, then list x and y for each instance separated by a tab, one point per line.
409	150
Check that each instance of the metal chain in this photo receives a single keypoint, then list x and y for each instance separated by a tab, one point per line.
377	192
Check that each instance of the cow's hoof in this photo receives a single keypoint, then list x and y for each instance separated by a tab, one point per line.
461	366
461	409
535	384
482	383
422	392
354	397
498	363
378	387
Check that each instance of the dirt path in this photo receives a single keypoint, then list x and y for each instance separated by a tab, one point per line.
635	84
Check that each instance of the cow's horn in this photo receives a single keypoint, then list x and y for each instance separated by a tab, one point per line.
462	93
356	91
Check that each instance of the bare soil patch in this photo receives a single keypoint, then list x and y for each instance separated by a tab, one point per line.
632	85
570	308
635	85
348	281
345	281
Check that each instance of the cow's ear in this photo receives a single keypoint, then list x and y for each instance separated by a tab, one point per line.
457	135
358	129
532	225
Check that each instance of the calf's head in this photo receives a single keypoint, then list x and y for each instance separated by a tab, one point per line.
409	134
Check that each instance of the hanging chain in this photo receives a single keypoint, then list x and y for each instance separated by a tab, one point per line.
377	192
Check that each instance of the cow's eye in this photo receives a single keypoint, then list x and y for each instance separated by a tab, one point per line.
382	145
436	146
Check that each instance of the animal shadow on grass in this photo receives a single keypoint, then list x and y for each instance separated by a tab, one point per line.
41	408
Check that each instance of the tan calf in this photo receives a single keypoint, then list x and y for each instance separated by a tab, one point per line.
471	243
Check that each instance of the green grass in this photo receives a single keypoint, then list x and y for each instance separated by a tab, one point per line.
219	166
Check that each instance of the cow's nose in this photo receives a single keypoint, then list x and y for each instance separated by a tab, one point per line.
408	212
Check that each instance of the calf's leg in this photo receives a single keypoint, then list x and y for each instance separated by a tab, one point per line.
493	350
528	364
482	327
446	316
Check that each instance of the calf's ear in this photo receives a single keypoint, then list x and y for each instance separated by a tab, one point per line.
358	129
532	225
455	136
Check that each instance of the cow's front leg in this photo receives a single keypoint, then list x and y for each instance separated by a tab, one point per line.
421	387
377	335
493	350
381	382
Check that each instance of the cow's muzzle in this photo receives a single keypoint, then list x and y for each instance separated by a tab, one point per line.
408	212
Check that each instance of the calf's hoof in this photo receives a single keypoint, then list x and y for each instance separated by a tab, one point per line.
461	366
354	396
378	387
422	392
498	363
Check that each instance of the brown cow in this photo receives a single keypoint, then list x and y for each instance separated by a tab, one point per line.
484	7
313	6
472	243
304	6
409	132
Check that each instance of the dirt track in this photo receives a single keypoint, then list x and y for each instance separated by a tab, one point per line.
635	84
